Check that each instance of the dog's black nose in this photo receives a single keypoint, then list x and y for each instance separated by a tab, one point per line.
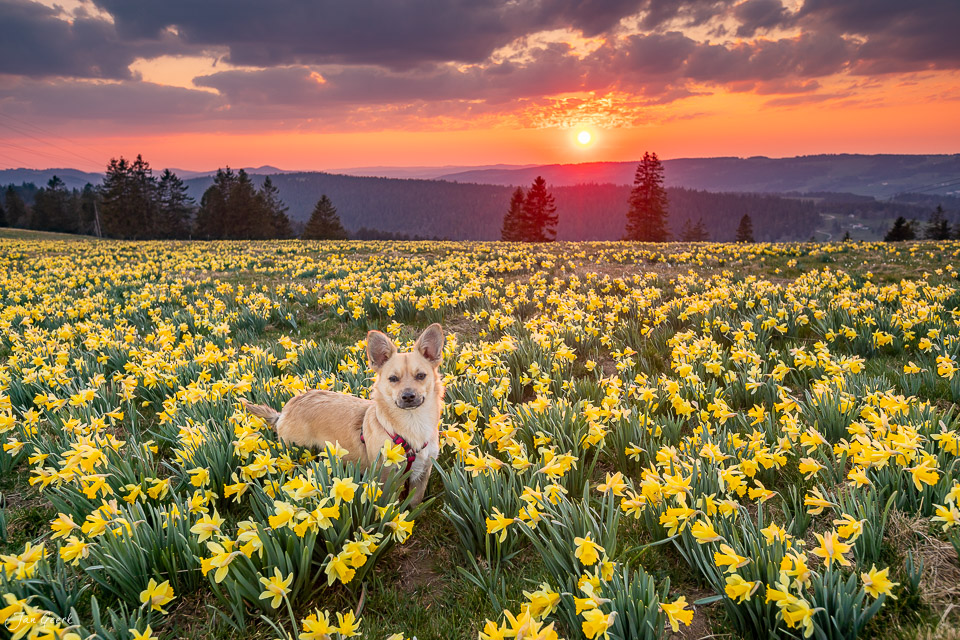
408	396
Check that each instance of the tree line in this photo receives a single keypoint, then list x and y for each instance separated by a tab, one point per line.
134	204
937	228
532	215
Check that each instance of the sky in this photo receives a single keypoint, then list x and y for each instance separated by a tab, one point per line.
326	84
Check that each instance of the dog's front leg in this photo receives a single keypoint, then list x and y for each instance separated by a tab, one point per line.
419	486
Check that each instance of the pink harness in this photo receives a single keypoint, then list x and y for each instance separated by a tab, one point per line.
410	452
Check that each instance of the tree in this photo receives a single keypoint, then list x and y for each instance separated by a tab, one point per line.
174	207
246	217
539	220
211	218
745	230
512	229
694	232
54	209
130	202
3	216
647	215
846	236
324	223
939	227
901	231
275	212
17	215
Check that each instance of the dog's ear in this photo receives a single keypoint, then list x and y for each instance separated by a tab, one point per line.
380	348
430	344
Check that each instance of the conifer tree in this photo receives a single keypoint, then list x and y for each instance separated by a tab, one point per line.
129	194
647	215
275	211
512	230
54	208
211	217
324	223
694	232
246	216
901	231
539	220
745	230
175	207
17	215
3	216
939	227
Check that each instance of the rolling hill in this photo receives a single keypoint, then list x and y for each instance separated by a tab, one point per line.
870	175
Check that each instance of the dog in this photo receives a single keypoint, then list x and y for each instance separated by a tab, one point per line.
404	408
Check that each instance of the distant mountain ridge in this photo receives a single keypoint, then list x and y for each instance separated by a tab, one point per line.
869	175
880	176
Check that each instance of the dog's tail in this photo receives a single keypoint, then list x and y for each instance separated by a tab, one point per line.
269	414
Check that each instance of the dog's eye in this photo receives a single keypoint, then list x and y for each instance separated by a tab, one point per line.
393	379
421	376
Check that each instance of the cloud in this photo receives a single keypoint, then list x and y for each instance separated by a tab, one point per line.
121	103
391	33
895	36
38	42
551	70
756	15
398	61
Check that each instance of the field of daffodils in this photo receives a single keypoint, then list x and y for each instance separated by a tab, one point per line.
639	441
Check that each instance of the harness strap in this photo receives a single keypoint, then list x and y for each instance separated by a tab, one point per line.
411	453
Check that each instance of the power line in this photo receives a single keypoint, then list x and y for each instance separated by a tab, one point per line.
30	151
933	186
47	142
52	134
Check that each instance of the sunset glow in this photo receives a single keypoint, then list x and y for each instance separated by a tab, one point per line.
291	91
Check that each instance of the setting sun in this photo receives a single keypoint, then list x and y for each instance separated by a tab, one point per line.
584	137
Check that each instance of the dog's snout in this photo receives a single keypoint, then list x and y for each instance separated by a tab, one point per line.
409	399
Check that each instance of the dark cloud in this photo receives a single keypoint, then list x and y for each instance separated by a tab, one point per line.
757	15
898	36
36	41
342	59
130	102
808	56
392	33
551	71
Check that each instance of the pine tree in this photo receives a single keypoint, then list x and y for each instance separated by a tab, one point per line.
53	208
88	209
211	217
246	216
3	216
512	230
694	232
324	223
647	215
539	220
17	214
130	203
745	230
901	231
939	227
174	207
275	211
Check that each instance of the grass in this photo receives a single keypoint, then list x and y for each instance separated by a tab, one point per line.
418	589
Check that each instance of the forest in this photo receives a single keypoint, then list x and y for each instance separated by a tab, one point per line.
395	208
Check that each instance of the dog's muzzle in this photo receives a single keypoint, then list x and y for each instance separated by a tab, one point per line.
409	400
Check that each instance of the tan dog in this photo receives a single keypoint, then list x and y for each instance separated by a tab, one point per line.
404	408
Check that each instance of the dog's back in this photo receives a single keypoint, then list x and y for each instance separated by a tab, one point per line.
316	417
